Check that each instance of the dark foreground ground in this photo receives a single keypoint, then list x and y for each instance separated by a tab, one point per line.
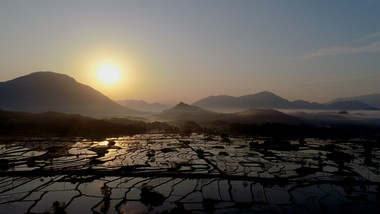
162	173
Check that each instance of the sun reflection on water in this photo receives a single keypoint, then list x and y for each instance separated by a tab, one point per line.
104	143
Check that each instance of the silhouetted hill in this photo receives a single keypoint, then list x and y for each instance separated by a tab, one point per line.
350	105
142	105
260	100
48	91
262	116
370	99
268	100
301	104
183	112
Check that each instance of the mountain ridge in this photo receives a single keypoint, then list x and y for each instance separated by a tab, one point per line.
183	112
269	100
369	99
142	105
49	91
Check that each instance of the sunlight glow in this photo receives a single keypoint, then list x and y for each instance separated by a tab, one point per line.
108	74
104	143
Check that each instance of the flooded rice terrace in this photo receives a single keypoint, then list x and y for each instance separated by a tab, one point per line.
193	174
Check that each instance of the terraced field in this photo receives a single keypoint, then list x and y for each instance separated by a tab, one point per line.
156	173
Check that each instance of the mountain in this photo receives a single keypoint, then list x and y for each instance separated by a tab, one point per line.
262	116
49	91
268	100
184	112
301	104
142	105
370	99
350	105
263	99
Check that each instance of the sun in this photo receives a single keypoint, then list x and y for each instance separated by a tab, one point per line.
108	74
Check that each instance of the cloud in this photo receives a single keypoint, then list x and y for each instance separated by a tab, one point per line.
368	37
371	48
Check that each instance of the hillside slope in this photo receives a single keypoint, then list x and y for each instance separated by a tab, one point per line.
48	91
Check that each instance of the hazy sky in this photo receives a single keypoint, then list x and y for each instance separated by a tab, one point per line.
186	50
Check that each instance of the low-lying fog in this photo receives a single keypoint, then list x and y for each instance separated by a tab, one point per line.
370	117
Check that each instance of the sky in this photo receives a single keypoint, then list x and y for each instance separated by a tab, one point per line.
188	50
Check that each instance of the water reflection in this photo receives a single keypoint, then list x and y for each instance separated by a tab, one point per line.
171	173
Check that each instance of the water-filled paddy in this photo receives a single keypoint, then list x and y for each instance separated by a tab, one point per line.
197	173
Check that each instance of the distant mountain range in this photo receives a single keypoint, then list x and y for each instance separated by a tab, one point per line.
370	99
48	91
268	100
142	105
184	112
